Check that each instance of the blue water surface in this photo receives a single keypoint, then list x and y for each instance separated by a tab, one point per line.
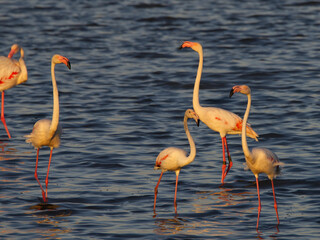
123	102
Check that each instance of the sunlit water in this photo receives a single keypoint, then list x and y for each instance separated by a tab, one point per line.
123	102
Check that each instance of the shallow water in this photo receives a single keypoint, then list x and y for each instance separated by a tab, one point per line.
123	102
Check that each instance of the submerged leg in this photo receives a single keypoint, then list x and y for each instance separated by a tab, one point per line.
36	176
156	192
229	157
2	115
259	208
224	161
47	178
175	192
275	201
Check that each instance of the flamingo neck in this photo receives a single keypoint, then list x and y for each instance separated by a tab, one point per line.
196	104
55	115
24	73
192	154
245	148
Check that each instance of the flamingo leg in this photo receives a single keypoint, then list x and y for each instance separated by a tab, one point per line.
36	176
2	115
175	192
224	161
230	163
259	207
275	201
156	192
47	178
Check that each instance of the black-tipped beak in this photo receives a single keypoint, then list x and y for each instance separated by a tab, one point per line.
198	122
181	46
69	64
231	93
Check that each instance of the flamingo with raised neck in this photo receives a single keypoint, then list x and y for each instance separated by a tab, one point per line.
47	132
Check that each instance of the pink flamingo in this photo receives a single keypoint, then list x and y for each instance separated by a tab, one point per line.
47	132
12	73
216	119
259	160
173	159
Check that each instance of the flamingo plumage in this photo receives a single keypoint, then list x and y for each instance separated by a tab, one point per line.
47	132
217	119
259	160
12	73
173	159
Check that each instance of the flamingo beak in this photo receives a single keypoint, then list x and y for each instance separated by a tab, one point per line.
183	45
68	64
231	93
197	119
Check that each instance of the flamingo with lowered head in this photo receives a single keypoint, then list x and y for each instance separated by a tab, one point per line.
259	160
173	159
216	119
47	132
12	73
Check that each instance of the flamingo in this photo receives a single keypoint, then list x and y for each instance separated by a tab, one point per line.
12	73
217	119
47	132
173	159
259	160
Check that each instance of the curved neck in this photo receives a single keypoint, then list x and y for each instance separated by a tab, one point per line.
196	104
55	115
245	148
192	154
24	73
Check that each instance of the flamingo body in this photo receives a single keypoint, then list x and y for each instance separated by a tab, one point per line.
173	159
259	160
47	132
263	161
12	73
39	135
223	121
170	159
217	119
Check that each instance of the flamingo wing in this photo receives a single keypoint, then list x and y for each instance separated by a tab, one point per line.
9	72
168	159
225	122
220	120
266	162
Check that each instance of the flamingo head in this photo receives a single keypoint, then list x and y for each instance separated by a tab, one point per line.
14	49
244	89
194	45
192	114
61	59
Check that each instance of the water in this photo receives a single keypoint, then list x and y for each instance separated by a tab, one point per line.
123	102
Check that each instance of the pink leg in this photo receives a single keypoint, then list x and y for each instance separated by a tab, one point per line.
36	176
224	161
2	115
259	208
229	157
275	201
48	173
156	192
175	193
